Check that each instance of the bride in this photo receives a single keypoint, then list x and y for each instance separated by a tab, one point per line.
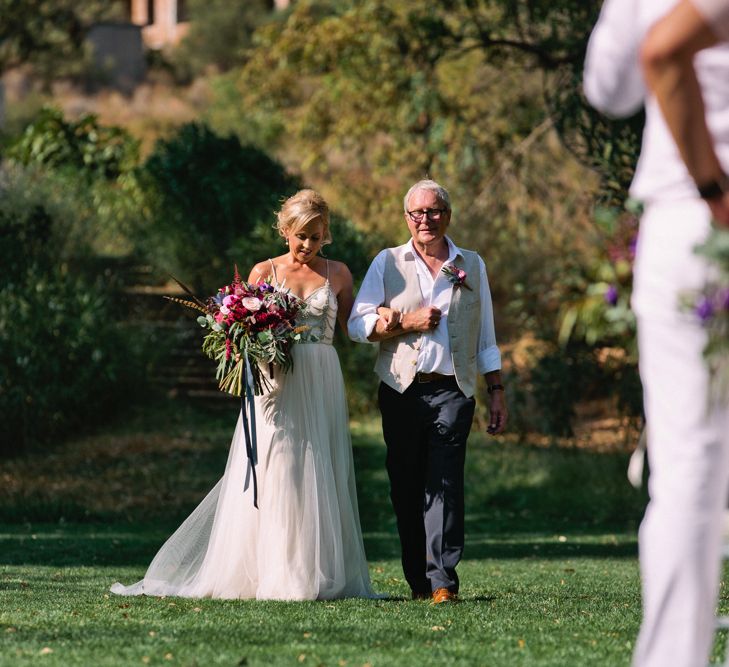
305	541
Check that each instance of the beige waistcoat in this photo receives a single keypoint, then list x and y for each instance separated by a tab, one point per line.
398	357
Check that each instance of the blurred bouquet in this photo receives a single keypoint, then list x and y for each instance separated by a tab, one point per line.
711	306
250	326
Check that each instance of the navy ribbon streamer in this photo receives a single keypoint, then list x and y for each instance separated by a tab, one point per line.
249	431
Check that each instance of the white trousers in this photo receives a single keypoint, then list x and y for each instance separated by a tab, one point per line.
688	445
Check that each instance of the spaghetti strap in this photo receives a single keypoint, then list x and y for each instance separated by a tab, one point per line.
327	270
273	268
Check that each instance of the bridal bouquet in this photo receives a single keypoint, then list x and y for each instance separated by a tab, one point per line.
711	306
251	327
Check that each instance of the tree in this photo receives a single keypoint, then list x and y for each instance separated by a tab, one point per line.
220	33
48	35
374	91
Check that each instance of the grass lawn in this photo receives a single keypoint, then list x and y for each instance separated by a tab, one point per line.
550	573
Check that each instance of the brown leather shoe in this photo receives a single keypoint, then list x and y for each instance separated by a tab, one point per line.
441	595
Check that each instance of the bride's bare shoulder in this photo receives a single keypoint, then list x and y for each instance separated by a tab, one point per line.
260	271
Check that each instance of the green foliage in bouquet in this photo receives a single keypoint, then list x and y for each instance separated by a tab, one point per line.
251	328
711	307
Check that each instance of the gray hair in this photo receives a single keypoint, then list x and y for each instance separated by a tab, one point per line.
430	186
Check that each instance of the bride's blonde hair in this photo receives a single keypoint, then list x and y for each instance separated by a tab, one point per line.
299	210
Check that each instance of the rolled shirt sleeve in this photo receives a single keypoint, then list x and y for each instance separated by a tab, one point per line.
488	358
613	81
370	297
716	14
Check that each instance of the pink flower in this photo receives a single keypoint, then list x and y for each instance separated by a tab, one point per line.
230	300
224	309
251	303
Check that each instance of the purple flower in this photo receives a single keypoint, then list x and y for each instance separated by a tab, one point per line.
704	309
632	246
611	295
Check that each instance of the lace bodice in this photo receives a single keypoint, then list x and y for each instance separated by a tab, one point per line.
320	313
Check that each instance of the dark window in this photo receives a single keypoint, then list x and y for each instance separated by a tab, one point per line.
150	11
182	13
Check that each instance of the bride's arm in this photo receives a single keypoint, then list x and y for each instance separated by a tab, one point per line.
345	294
259	272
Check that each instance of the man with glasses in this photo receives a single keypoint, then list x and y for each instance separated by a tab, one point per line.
435	334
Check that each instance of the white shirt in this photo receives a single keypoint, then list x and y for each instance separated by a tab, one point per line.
434	355
613	83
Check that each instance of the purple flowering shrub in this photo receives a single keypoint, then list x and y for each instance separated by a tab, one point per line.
599	313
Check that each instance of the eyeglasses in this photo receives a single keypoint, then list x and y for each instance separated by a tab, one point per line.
430	213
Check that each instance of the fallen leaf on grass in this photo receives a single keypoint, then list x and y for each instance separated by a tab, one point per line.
46	650
152	633
521	643
11	629
302	657
145	659
307	635
169	656
197	609
437	628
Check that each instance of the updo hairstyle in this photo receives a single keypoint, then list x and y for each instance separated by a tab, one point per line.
299	210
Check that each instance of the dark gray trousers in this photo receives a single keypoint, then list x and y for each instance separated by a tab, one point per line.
425	430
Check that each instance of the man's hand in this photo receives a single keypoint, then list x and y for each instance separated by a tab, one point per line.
720	210
389	317
498	414
426	318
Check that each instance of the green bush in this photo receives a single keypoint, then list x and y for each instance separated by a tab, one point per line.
545	392
83	145
211	203
64	362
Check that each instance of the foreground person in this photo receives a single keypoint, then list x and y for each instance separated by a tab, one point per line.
682	183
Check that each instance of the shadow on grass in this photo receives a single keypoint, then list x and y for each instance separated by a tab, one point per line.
95	501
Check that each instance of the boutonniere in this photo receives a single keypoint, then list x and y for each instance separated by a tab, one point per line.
456	276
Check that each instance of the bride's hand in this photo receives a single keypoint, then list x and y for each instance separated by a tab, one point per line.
390	318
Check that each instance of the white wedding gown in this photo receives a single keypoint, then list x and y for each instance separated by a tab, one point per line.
305	541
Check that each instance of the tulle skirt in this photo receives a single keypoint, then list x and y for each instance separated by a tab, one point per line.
305	541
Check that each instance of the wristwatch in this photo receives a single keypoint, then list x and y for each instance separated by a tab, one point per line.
494	387
714	189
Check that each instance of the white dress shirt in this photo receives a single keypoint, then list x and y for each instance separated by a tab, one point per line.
613	83
434	355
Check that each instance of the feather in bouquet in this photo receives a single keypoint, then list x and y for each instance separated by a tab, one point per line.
250	325
711	307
